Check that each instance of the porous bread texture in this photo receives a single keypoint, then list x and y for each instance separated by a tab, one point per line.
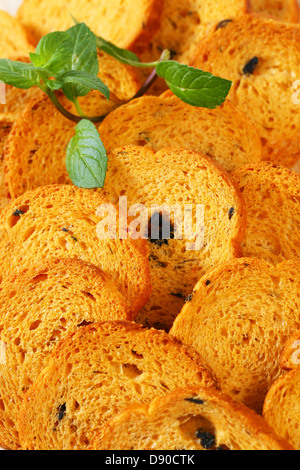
286	11
282	407
36	149
38	308
180	179
14	40
272	197
185	22
251	51
224	134
94	373
5	128
127	24
61	221
290	358
16	98
194	418
239	319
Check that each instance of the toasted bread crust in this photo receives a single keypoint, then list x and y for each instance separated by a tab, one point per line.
287	11
239	319
38	308
126	25
250	51
15	43
224	134
116	363
173	421
272	197
175	266
60	221
290	358
282	407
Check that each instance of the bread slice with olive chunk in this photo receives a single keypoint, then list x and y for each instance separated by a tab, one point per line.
61	221
239	319
188	209
94	373
251	51
126	24
190	419
272	197
224	134
38	308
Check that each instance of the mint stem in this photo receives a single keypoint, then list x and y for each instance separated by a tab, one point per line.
147	85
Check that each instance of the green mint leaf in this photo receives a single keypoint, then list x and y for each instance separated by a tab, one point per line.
122	55
194	86
78	83
86	159
18	74
84	56
54	52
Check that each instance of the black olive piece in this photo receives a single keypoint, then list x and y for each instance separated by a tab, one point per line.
179	295
230	213
189	298
157	221
208	282
207	440
61	411
250	66
197	401
223	24
18	213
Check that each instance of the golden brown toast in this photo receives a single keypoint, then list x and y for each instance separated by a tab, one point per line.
39	307
272	197
282	407
186	182
62	221
94	373
239	320
224	134
287	11
126	24
14	39
251	51
5	128
194	418
290	358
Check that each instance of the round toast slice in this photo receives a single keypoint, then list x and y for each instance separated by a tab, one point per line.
272	197
194	418
282	407
239	320
14	39
36	150
224	134
290	358
38	308
61	221
94	373
287	11
251	52
176	186
184	22
126	24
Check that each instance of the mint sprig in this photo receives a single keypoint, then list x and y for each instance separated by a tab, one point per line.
86	159
68	61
